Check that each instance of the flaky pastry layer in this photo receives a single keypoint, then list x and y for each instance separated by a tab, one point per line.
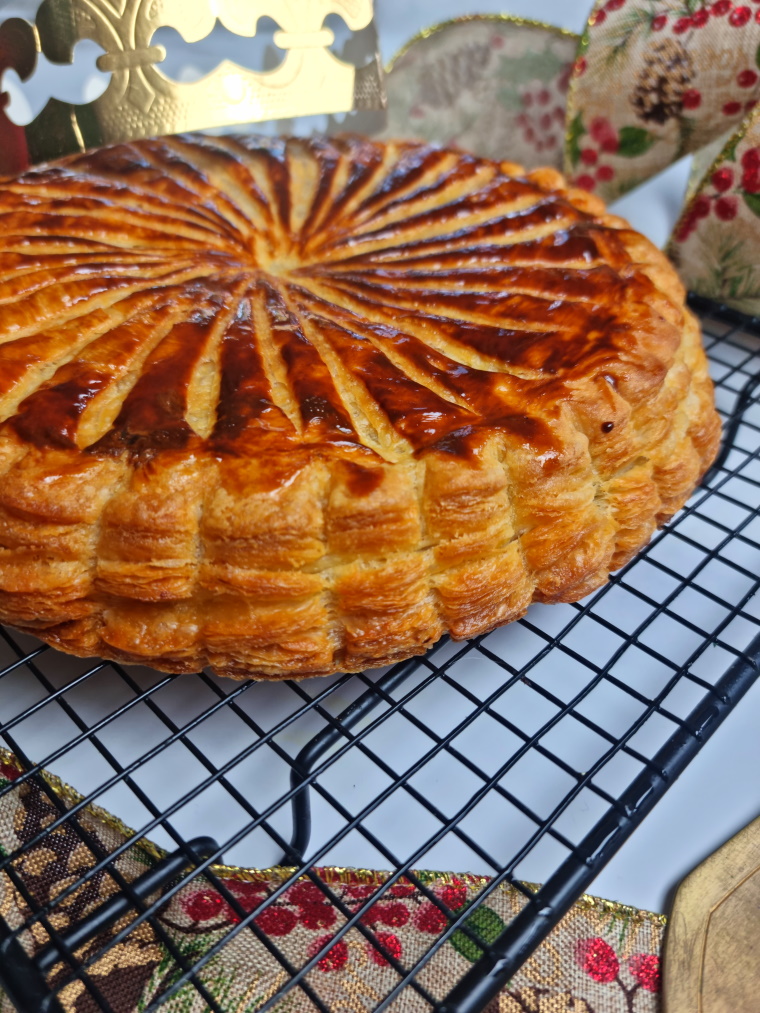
286	408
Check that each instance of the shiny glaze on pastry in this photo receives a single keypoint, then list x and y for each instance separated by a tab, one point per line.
286	408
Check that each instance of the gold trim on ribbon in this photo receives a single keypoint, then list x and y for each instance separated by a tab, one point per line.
333	874
512	19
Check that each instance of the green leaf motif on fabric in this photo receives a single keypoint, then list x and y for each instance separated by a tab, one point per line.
526	68
752	200
634	141
729	152
730	268
634	22
757	56
483	923
574	134
532	65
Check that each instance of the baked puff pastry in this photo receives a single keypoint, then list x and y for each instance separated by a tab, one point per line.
286	408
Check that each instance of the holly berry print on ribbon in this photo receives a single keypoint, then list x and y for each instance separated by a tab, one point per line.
492	84
715	242
655	80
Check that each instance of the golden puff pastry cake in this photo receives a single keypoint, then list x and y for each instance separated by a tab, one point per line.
287	408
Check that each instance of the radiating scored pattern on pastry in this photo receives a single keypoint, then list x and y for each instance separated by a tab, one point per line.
305	283
288	407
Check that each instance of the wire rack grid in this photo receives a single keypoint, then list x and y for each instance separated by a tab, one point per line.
538	747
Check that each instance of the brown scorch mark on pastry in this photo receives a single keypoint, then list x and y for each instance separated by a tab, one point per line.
291	407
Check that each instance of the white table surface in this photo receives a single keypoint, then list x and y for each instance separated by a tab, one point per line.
718	794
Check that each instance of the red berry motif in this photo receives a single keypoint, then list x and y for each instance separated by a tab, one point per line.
429	918
605	173
721	7
691	98
334	959
682	25
751	179
750	105
589	156
402	889
723	179
732	108
317	916
360	891
746	79
454	895
726	208
645	968
757	17
605	135
701	206
599	18
751	158
391	944
580	66
597	958
740	16
614	5
683	231
203	905
306	893
542	111
585	182
277	921
394	914
249	899
700	17
659	22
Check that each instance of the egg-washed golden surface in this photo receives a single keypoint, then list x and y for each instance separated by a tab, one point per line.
286	408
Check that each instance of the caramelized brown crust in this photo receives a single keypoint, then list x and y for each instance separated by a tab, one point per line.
287	408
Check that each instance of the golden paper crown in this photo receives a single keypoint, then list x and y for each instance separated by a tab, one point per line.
140	101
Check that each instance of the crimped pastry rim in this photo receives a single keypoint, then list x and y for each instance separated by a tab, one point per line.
348	545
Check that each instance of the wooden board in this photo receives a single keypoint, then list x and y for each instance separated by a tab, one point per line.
712	949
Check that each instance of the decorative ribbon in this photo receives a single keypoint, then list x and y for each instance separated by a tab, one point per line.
602	958
648	82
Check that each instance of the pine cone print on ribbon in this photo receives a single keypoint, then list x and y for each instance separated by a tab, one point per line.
660	86
670	76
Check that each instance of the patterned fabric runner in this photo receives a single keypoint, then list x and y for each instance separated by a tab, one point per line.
602	958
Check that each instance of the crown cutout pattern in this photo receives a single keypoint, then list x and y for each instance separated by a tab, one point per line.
140	101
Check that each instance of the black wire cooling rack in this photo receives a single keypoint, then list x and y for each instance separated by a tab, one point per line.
543	744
